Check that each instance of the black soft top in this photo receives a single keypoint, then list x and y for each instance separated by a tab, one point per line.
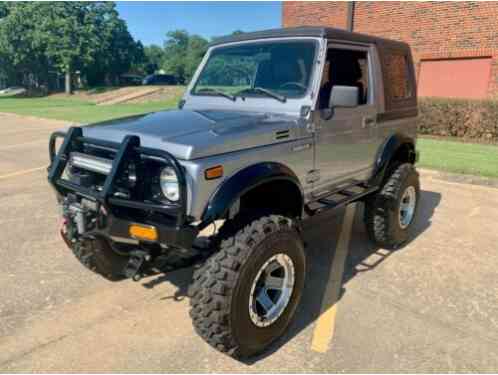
310	31
394	107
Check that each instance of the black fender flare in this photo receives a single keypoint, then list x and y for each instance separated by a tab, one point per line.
386	153
240	183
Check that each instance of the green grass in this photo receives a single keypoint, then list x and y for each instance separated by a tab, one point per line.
78	110
458	157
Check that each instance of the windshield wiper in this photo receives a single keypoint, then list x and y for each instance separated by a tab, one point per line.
262	90
217	92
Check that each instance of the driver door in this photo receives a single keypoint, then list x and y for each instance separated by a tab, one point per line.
346	139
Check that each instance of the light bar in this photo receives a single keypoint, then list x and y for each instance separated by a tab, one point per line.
90	163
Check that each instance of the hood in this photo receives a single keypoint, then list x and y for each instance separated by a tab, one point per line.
191	134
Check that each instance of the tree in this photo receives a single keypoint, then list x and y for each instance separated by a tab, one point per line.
197	47
21	49
71	35
175	49
117	52
4	9
42	38
183	52
154	58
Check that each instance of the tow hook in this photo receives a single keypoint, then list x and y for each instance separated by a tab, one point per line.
138	262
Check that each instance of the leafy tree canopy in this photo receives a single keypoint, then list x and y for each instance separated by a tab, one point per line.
40	42
182	54
42	38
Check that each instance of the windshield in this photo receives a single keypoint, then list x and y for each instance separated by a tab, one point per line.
266	69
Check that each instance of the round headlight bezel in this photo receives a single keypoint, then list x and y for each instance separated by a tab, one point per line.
168	184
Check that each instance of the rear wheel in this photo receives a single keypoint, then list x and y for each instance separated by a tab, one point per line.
390	214
244	297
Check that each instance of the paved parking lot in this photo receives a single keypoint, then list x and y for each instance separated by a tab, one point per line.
429	307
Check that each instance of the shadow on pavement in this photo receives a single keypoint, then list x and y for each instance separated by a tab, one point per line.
321	234
180	278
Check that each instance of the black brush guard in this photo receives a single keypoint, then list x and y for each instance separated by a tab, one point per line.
174	232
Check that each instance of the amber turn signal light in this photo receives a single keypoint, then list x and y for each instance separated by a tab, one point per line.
143	232
214	172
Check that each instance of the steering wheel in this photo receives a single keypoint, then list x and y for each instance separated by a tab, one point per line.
297	84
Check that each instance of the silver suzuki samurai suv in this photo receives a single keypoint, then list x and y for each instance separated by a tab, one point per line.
275	126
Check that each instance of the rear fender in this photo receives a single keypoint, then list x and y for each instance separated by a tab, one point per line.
389	151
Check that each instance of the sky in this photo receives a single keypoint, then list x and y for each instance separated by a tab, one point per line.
150	21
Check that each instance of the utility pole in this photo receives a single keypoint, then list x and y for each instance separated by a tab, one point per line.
350	16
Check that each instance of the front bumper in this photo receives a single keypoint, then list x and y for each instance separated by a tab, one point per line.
117	229
104	213
90	219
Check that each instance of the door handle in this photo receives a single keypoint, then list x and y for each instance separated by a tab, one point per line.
368	122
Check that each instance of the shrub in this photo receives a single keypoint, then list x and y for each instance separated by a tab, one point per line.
467	119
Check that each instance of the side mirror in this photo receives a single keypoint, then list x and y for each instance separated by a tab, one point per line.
344	96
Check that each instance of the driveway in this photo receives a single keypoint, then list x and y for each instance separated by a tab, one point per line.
431	306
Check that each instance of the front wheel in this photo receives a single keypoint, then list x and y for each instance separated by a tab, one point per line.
390	214
244	297
98	256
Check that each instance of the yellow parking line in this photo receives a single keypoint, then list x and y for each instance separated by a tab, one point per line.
20	173
325	325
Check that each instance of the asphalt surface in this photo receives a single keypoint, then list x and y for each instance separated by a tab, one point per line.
431	306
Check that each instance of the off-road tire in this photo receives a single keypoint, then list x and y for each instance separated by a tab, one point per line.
99	257
219	293
382	209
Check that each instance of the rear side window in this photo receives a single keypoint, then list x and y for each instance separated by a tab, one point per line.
398	77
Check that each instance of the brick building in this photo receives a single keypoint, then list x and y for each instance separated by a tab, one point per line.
454	44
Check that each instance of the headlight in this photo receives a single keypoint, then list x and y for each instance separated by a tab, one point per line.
168	181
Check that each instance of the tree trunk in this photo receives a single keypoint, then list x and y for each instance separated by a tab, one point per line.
69	88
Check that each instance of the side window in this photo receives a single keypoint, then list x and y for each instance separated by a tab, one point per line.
345	67
398	79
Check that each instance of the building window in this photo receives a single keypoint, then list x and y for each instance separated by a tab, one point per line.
398	77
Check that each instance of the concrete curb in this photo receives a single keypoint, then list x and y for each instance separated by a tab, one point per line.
459	178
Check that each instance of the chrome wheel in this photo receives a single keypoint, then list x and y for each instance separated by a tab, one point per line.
407	207
271	290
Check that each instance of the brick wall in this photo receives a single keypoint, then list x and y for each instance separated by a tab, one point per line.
434	30
315	13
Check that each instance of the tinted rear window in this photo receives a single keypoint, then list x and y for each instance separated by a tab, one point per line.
398	77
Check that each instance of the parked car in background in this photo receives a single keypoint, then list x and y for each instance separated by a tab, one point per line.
160	79
130	80
12	91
